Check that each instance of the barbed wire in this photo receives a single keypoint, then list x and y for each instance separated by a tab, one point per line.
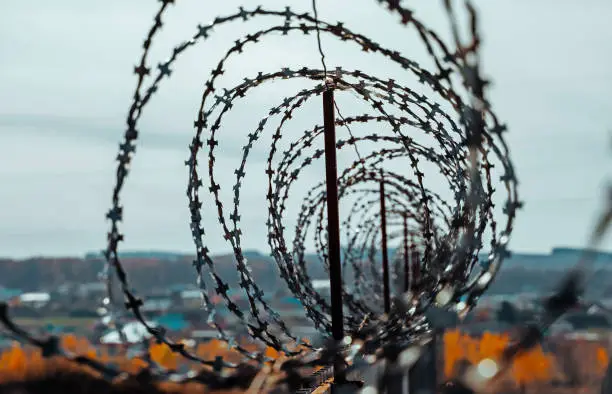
466	140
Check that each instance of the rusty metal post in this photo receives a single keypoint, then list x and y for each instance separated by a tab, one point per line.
415	266
333	215
385	257
406	256
333	230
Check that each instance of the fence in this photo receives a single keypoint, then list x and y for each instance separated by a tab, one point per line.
440	262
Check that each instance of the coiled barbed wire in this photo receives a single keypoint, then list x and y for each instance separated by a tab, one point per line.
466	139
446	226
449	254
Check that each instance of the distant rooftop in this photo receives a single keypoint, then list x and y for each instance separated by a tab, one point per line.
35	297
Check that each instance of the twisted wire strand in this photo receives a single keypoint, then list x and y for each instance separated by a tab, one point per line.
260	329
448	234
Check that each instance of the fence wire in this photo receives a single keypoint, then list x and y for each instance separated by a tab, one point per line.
446	235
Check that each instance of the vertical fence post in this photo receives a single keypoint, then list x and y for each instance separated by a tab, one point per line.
415	266
333	223
385	256
406	256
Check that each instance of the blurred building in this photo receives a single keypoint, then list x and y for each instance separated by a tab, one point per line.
34	300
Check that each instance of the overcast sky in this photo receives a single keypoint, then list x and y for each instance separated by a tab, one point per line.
66	81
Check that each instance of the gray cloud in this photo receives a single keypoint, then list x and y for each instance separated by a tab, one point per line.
65	83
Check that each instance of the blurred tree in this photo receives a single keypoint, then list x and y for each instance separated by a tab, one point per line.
507	313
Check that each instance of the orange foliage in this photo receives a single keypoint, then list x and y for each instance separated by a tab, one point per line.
272	353
15	361
602	359
19	362
532	366
162	355
452	351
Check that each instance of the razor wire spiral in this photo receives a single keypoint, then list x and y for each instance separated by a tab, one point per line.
450	234
466	140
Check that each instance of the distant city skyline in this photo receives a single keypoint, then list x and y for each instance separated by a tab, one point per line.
66	81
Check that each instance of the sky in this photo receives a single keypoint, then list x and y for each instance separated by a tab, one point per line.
66	81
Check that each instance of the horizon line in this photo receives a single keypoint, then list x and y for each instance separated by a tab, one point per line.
224	253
